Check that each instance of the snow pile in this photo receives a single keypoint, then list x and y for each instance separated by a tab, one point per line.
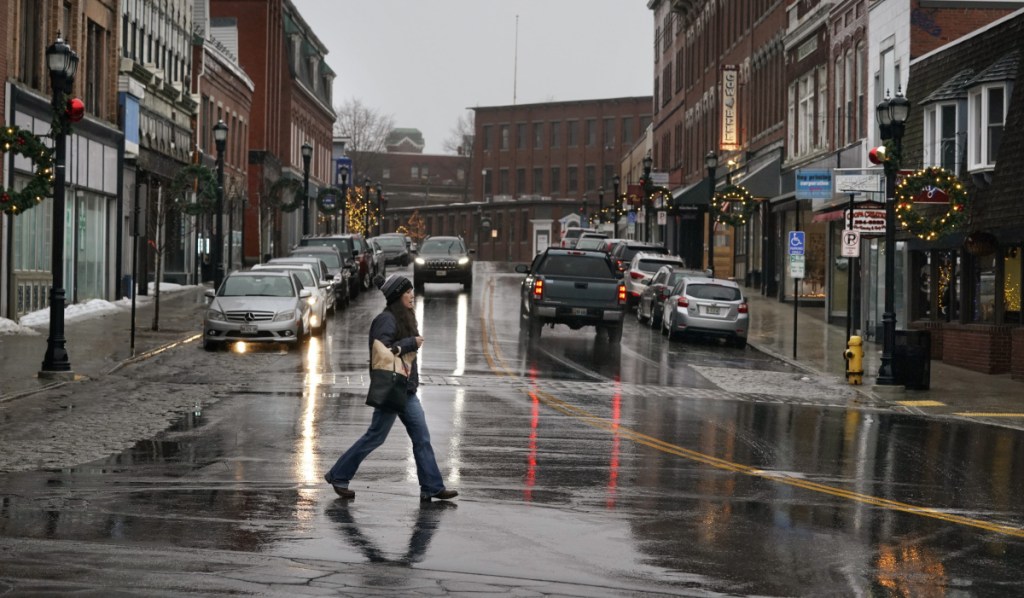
11	327
92	307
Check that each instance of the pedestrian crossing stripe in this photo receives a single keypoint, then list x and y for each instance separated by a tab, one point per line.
983	414
921	403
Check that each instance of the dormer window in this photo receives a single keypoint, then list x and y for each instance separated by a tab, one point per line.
940	137
987	116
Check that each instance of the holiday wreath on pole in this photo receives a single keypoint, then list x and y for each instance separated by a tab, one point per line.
329	200
732	205
26	144
936	186
198	179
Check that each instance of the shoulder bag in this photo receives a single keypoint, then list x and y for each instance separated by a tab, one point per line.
389	376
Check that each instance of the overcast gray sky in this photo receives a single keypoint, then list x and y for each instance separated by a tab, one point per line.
425	61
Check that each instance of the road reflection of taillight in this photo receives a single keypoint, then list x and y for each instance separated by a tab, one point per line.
683	302
622	294
742	308
538	289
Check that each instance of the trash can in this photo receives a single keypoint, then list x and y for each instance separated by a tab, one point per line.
912	359
127	286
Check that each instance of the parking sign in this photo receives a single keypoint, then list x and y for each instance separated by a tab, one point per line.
796	242
851	243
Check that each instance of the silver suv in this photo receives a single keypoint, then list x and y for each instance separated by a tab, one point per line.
641	268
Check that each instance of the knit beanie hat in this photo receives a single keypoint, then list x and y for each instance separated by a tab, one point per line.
393	288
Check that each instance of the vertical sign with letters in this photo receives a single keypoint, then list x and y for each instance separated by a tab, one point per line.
730	139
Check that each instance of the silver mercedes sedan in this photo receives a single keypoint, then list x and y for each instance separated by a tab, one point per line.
257	307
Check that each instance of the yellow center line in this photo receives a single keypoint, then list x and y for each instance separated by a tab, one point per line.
984	414
499	368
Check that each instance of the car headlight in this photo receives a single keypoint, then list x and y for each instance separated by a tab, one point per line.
463	260
312	299
420	261
284	316
215	316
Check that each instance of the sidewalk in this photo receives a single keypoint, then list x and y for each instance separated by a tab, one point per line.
98	344
959	392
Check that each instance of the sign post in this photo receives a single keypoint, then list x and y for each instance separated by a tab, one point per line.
796	245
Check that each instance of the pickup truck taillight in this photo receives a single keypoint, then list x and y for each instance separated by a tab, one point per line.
622	294
538	289
683	302
742	308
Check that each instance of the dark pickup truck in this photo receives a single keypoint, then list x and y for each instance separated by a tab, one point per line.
575	288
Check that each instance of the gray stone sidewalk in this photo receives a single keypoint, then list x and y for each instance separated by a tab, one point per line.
98	344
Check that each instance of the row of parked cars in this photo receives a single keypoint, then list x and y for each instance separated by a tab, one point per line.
680	301
288	299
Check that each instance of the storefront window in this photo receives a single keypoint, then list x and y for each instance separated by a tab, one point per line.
91	246
874	281
1011	286
984	308
839	275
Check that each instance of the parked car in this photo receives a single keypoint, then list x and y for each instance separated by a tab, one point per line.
395	248
641	268
254	306
625	249
319	269
364	266
591	244
571	235
318	304
378	263
656	290
339	275
349	256
443	259
706	306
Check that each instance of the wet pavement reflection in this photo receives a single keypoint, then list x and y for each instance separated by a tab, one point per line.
621	469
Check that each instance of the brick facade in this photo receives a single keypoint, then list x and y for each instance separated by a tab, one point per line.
1017	348
978	347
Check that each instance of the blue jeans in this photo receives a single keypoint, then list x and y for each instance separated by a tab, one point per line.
415	422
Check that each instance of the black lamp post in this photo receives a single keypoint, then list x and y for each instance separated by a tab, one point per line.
344	198
307	154
616	203
380	213
600	206
892	114
220	138
63	62
584	219
648	162
711	161
366	204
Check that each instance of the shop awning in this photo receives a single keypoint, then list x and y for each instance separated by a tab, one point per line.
765	180
694	195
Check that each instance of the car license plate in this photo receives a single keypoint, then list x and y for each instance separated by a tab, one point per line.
712	311
249	329
579	311
442	273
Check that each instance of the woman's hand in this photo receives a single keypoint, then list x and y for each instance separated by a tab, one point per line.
419	342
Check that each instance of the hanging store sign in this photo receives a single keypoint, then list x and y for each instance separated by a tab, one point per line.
730	119
869	222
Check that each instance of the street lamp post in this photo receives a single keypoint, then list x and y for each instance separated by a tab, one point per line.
366	206
711	162
892	114
307	155
220	137
585	220
600	206
344	198
380	213
648	162
616	204
63	62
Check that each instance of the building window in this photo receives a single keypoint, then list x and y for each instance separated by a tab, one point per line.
414	173
986	118
520	181
591	132
460	174
590	178
940	137
573	182
486	137
627	130
538	135
538	181
609	132
555	128
95	67
521	136
385	173
503	182
504	137
572	135
556	180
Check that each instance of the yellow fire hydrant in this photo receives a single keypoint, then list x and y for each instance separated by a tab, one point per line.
854	356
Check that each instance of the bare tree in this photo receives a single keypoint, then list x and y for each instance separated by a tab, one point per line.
460	137
367	130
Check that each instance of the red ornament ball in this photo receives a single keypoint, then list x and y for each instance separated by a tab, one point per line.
76	110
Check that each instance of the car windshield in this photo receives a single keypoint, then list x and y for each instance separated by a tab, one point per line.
391	242
305	276
591	243
576	265
342	245
653	265
257	286
331	259
715	292
446	246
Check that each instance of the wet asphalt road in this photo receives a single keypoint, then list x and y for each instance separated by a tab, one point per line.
584	469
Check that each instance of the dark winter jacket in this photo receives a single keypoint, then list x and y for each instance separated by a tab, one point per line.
384	328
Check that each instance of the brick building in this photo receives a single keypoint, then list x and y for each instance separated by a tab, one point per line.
291	106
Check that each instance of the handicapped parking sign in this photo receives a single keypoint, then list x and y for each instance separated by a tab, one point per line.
796	242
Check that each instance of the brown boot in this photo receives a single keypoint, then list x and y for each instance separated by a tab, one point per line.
343	492
442	495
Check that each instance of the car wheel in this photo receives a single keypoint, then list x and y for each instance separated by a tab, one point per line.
535	327
367	282
614	333
739	343
655	319
210	345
